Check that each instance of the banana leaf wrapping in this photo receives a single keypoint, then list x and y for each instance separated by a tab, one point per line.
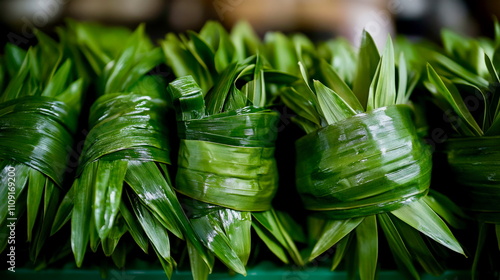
122	184
367	164
39	112
476	165
205	153
362	165
465	72
47	136
228	173
226	166
126	126
36	139
227	159
126	146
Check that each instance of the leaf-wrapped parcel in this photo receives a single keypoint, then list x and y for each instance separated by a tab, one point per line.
228	173
122	184
362	165
226	166
39	109
367	164
465	73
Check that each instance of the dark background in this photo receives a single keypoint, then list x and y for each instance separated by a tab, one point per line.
320	19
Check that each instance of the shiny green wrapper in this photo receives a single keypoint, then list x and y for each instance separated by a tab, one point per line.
228	160
476	166
241	178
122	185
467	69
39	109
362	169
368	164
45	126
228	174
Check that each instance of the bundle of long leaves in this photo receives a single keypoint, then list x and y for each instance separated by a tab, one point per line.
226	166
464	80
362	165
39	108
122	183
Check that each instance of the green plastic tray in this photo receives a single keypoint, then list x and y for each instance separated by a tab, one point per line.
264	271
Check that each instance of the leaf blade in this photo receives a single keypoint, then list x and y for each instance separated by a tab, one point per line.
367	247
429	223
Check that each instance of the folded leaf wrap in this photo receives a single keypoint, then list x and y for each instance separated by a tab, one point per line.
245	127
228	159
126	126
476	165
37	131
367	164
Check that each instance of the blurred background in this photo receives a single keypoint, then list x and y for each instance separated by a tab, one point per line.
319	19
